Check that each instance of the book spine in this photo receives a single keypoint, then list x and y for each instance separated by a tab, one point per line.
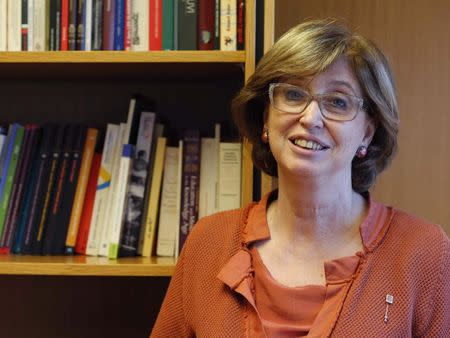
103	189
187	24
30	14
120	200
52	32
88	207
48	190
108	24
205	36
18	187
135	199
155	25
6	156
229	176
24	25
97	18
189	184
240	31
216	25
88	153
119	25
228	25
127	26
88	22
40	20
72	34
12	167
3	25
14	25
81	25
140	25
167	25
64	45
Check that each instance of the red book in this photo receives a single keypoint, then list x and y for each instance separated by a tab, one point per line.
240	31
155	32
206	12
89	198
64	24
127	26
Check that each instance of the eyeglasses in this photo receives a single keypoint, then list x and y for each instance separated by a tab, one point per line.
333	106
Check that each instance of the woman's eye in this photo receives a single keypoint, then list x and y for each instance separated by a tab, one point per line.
293	95
339	102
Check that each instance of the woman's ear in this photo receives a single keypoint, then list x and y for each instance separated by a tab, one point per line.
371	127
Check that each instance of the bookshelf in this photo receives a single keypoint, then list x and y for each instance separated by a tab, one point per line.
193	89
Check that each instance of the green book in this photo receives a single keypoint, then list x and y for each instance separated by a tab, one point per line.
4	201
167	25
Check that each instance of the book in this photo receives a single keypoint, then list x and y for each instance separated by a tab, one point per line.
209	174
240	25
135	198
120	198
119	24
140	25
17	202
179	192
169	216
64	35
14	25
109	9
46	196
80	24
24	26
228	24
38	184
6	156
73	24
88	25
187	12
75	215
127	26
3	132
88	205
155	23
97	24
15	194
190	180
216	41
8	174
168	25
157	133
229	175
206	17
52	25
148	234
103	189
3	25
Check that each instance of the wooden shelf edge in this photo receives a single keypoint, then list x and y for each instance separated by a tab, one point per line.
124	57
86	266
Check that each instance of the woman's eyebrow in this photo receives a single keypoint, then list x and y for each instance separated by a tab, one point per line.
345	84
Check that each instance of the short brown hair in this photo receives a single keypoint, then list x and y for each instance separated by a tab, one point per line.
308	49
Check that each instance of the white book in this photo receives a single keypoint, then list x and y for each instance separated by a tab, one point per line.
169	214
30	20
107	212
119	205
140	25
209	175
14	25
230	175
2	143
88	26
3	25
180	173
40	25
228	22
103	189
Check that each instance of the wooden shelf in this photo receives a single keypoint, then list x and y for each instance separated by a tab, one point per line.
86	266
124	57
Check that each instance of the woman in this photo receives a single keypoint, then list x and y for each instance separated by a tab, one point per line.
318	257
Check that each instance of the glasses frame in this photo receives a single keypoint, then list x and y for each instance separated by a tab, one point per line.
313	97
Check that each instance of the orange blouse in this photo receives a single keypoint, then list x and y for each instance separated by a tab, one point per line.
293	311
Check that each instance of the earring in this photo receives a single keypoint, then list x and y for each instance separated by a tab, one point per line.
361	152
265	135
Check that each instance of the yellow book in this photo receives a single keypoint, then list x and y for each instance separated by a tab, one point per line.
148	228
78	202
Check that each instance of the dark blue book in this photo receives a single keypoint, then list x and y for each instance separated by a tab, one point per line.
119	25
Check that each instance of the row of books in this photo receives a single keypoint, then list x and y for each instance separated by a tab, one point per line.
137	25
138	196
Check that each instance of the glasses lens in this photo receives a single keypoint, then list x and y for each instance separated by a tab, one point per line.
290	99
338	106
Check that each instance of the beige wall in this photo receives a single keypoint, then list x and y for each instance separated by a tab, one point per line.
415	35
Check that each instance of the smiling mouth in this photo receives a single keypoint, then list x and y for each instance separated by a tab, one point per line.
310	145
